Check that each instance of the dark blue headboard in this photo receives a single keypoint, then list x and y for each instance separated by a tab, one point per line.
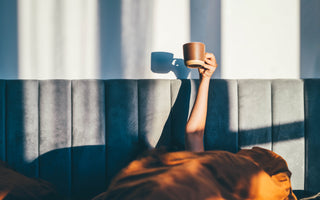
78	134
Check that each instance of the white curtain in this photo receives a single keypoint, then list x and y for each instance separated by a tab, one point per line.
142	39
58	39
110	39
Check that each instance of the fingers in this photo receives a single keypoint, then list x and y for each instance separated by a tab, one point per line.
208	67
209	55
210	59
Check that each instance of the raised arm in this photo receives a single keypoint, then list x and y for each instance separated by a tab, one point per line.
197	120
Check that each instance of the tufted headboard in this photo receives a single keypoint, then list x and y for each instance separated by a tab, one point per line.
78	134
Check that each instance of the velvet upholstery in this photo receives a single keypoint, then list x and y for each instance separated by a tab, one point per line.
154	104
55	126
222	117
255	114
287	123
2	120
121	124
88	138
312	128
22	130
78	134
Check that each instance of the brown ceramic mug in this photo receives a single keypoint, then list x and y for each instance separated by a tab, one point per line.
194	54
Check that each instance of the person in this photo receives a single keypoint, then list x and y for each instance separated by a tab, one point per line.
195	126
277	174
195	174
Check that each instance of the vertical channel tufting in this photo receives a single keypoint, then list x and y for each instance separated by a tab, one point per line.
255	117
88	140
122	124
288	126
312	128
22	126
55	133
222	118
2	120
183	94
154	109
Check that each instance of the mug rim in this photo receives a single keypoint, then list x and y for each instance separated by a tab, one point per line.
193	43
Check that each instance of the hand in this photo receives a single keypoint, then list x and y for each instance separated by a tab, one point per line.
210	65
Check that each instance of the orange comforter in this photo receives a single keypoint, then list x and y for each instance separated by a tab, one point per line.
213	175
14	185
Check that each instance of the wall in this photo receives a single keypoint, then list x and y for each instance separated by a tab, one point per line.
260	39
142	39
310	38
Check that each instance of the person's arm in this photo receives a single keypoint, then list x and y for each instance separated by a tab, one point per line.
197	120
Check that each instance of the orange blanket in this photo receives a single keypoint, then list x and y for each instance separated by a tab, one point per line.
213	175
14	185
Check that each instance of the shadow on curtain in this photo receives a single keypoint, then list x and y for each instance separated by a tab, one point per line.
205	26
309	39
9	39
